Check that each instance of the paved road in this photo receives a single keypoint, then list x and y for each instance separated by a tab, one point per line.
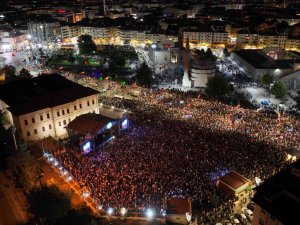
11	211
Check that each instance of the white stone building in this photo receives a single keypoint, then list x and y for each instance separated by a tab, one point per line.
43	106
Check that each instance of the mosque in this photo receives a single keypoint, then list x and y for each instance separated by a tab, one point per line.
197	68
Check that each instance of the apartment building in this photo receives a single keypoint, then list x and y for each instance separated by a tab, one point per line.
43	106
277	200
206	37
255	40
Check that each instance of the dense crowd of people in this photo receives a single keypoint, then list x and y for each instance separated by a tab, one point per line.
179	145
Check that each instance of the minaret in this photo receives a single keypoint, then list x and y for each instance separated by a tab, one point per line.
186	61
104	8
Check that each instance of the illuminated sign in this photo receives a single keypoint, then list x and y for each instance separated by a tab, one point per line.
61	11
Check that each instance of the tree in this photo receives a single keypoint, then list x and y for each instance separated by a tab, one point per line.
24	73
218	86
266	79
117	63
144	75
279	89
48	203
81	216
86	44
9	73
23	166
225	51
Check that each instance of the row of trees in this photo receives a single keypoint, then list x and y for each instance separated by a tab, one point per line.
278	89
11	75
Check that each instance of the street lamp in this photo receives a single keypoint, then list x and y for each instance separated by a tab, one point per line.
13	129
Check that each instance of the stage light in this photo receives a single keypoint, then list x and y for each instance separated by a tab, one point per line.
124	124
149	213
123	211
109	125
110	211
86	194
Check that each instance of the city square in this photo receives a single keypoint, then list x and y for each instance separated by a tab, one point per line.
149	113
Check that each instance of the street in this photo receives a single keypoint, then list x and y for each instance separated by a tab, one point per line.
11	211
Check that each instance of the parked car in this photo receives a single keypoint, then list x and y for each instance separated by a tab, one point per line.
249	213
242	217
251	206
235	221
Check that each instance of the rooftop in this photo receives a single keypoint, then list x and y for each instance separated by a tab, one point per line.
89	123
234	180
261	61
29	95
280	195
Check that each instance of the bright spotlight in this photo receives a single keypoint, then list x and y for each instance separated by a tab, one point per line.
149	213
124	124
100	207
110	211
109	125
123	211
86	194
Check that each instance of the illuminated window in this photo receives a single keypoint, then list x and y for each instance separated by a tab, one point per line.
26	122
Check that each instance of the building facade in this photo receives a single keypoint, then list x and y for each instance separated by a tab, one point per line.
47	113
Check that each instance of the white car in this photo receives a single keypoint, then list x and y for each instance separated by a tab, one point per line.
236	221
249	213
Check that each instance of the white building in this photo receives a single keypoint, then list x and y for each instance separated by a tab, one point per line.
205	37
197	70
257	63
43	106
